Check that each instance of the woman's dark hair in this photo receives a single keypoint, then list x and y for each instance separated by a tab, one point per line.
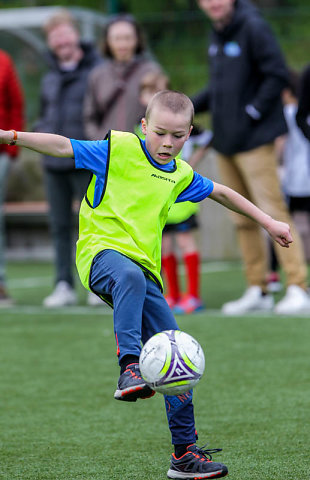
141	45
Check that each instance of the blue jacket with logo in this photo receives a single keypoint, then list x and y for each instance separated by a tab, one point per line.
246	69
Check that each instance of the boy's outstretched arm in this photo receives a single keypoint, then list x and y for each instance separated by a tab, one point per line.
46	143
227	197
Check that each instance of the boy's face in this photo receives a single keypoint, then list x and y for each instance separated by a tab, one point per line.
165	133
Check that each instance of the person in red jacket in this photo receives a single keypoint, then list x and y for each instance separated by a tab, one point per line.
11	114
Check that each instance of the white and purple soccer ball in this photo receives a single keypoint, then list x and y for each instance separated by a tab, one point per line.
172	362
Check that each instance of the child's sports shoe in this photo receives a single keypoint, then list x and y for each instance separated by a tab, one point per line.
131	385
188	304
171	301
196	463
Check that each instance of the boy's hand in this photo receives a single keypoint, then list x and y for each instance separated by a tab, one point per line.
280	232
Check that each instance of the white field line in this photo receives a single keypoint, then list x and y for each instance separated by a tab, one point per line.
29	311
31	282
215	267
104	310
79	310
63	311
34	282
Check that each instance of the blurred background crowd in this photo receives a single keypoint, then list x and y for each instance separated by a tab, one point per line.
99	85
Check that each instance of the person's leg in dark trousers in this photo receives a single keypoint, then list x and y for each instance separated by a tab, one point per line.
140	311
62	189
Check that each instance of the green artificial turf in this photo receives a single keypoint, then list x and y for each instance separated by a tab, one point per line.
58	371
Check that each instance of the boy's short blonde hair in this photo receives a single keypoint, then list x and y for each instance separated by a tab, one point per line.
175	101
62	16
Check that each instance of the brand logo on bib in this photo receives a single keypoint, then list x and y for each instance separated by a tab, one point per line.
160	177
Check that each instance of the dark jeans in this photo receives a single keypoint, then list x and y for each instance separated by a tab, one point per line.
63	187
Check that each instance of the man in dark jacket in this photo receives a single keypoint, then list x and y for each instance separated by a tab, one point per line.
247	75
62	95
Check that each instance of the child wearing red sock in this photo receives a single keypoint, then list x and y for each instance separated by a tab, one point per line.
181	234
182	218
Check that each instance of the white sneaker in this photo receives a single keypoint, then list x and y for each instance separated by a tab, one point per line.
251	301
94	301
63	295
296	300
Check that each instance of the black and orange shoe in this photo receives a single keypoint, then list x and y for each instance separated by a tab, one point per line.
196	464
131	385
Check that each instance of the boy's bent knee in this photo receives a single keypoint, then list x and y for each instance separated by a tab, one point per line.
133	276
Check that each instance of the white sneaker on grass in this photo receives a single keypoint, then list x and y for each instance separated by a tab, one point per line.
296	300
94	301
252	300
62	296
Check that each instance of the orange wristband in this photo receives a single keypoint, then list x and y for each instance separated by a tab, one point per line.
13	141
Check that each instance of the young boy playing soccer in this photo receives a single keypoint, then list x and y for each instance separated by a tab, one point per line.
134	184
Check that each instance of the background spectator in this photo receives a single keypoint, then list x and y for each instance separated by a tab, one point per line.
112	99
293	151
296	164
182	219
247	75
62	94
11	116
303	112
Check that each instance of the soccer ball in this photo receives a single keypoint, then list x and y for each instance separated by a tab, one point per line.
172	362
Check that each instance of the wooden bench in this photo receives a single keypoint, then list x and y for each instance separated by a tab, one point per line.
30	212
27	230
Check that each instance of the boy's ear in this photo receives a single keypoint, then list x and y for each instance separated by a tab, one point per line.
143	125
189	132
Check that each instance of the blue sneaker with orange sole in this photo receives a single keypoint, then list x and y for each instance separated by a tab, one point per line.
131	385
188	304
196	464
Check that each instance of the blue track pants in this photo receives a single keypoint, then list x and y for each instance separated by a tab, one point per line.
140	311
